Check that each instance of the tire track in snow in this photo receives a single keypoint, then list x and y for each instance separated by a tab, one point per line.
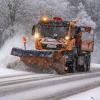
33	85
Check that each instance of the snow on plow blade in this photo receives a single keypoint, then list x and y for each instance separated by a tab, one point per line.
23	53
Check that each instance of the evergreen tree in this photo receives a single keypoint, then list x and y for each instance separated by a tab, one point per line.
83	18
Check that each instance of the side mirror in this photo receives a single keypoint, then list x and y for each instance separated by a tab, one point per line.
88	29
33	29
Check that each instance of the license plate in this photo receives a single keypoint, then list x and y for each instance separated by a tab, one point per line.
51	46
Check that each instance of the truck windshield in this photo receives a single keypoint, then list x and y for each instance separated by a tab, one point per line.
53	30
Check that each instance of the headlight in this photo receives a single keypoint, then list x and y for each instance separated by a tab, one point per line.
37	35
67	37
44	19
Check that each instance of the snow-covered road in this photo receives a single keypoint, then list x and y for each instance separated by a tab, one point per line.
49	88
4	72
93	94
28	86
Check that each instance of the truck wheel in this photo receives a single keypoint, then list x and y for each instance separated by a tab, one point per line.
74	65
81	63
86	65
88	60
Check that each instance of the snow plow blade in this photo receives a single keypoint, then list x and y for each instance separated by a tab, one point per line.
24	53
41	60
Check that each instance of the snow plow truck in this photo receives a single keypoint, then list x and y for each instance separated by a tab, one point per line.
60	45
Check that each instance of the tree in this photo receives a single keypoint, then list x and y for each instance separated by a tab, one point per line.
83	18
9	11
13	7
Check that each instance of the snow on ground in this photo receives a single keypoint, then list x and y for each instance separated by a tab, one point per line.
48	91
93	94
8	72
5	71
93	65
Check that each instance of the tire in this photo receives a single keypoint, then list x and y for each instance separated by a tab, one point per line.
86	65
74	59
74	65
71	62
80	63
71	66
88	61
